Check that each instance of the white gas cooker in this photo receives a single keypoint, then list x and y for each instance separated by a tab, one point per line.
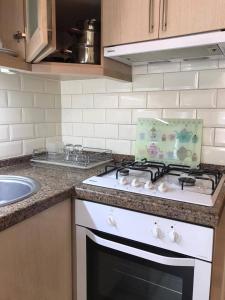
179	183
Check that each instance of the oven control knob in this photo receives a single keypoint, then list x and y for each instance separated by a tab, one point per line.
156	232
163	187
135	182
173	236
149	185
111	221
123	181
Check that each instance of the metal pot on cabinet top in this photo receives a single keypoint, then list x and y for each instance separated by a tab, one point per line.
86	32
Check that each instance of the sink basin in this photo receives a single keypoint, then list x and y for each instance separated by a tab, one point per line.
16	188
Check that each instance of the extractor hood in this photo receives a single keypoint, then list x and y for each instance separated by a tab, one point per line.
204	45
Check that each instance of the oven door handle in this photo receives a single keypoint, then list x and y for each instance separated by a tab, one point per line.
169	261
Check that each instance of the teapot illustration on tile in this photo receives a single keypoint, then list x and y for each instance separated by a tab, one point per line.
153	134
183	153
153	150
184	136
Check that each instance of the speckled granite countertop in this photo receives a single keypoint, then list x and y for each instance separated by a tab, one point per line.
57	184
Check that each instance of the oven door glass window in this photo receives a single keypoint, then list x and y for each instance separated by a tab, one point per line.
114	275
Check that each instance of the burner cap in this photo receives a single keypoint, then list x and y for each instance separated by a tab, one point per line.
124	172
187	180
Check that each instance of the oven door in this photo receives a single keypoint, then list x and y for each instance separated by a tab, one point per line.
108	269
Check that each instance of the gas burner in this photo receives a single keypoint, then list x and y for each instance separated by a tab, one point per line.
186	181
124	172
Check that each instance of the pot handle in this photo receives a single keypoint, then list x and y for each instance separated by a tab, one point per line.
73	31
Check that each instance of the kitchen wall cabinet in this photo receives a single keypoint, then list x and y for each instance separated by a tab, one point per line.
182	17
35	256
46	24
128	21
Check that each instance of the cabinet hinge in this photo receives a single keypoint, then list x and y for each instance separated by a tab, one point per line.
19	36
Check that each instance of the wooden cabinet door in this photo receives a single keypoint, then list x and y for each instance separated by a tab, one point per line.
36	27
129	21
36	258
40	29
182	17
11	21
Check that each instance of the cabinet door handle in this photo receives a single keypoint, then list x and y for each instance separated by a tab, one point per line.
151	16
164	15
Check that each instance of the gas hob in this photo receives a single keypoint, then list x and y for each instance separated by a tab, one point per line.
173	182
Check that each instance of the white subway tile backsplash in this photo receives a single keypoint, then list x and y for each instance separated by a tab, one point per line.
140	69
132	100
72	140
106	101
179	113
198	99
119	146
57	101
33	115
10	115
71	87
212	79
67	129
71	115
94	116
199	64
103	113
163	67
19	112
212	117
53	115
118	116
133	147
30	145
10	149
180	81
10	82
222	63
33	84
21	132
3	98
94	142
220	137
4	133
52	87
116	86
150	82
213	155
66	101
127	132
82	101
93	86
20	99
163	99
145	113
45	130
208	136
109	131
83	129
221	98
44	101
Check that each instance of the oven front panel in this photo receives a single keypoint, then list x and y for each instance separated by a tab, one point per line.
110	270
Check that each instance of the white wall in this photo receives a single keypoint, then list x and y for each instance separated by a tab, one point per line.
29	113
103	113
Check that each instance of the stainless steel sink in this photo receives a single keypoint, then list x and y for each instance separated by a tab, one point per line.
16	188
